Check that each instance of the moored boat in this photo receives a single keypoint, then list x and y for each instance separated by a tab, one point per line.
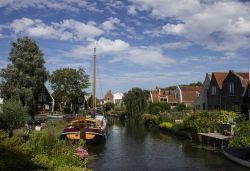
91	129
238	155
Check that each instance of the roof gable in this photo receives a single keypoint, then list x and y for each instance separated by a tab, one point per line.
108	96
219	77
190	93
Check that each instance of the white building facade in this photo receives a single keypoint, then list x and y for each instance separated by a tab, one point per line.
117	98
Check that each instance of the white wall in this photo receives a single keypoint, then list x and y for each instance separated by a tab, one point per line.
117	97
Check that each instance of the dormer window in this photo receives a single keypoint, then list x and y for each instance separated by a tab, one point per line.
213	90
231	89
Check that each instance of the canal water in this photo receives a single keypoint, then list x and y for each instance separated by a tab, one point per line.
130	146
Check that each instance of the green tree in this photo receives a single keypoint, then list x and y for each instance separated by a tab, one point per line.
25	75
13	115
108	106
135	102
69	86
157	108
241	136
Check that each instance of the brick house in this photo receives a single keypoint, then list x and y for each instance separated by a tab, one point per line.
233	88
108	97
214	90
187	94
163	95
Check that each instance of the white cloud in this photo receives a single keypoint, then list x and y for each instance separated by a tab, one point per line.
147	56
216	25
176	45
66	30
132	10
107	45
110	24
177	29
69	5
118	51
240	26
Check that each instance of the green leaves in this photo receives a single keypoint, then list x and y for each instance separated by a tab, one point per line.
26	74
13	115
135	102
69	85
241	136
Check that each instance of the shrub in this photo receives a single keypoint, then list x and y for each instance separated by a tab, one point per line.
180	107
13	115
157	108
151	120
166	125
241	136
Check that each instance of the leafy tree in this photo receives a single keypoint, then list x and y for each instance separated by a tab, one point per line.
13	115
25	75
108	106
198	83
68	85
90	99
135	102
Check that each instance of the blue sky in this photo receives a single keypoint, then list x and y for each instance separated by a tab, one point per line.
140	43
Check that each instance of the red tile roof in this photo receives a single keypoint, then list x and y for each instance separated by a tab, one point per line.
244	76
169	94
108	96
220	77
190	93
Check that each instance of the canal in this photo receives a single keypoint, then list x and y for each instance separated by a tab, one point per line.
130	146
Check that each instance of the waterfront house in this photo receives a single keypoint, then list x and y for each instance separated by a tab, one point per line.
233	88
117	97
44	101
108	97
214	90
200	102
187	94
163	95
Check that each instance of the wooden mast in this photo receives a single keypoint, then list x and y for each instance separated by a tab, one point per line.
94	81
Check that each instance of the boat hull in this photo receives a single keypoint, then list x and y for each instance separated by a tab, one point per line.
241	158
90	137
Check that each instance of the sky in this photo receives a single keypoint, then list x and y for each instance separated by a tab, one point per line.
140	43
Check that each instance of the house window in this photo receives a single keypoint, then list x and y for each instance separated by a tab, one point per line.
46	107
231	88
213	90
163	99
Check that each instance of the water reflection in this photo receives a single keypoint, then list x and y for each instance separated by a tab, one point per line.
132	147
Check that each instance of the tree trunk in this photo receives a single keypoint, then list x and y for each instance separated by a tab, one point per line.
10	133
